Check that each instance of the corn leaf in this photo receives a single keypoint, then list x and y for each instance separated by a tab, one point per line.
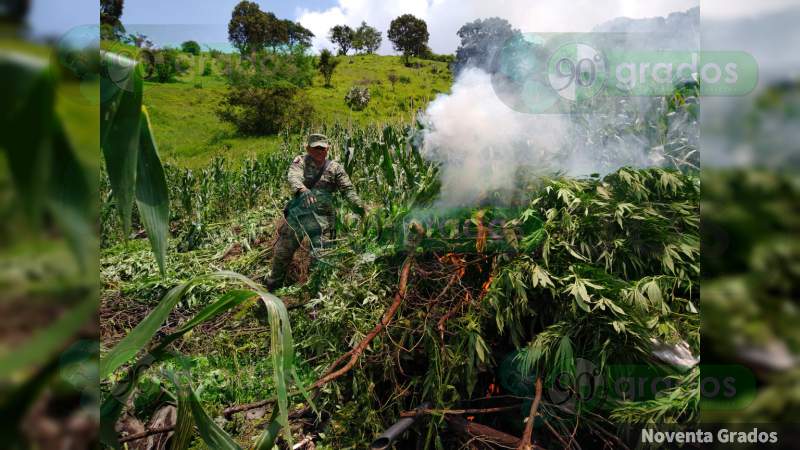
152	195
138	338
26	117
212	434
112	406
230	299
120	119
45	343
184	425
267	439
281	342
71	199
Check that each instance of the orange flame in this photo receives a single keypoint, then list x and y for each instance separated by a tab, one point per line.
486	285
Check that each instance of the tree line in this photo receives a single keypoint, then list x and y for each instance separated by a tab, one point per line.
251	30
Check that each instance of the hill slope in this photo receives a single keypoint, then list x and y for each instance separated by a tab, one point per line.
189	133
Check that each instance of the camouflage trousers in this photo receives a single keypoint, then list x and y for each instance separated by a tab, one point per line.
289	240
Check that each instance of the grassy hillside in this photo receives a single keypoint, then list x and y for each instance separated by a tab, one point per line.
189	133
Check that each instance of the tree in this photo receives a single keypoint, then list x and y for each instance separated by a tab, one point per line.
409	35
298	34
277	32
342	36
110	26
480	40
326	65
191	47
247	30
366	39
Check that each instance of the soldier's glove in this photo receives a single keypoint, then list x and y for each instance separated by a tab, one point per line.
308	198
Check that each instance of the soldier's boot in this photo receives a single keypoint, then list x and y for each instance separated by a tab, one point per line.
283	253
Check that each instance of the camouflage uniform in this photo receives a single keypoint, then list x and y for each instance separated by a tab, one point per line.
304	169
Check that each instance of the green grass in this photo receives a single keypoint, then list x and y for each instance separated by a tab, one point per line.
189	133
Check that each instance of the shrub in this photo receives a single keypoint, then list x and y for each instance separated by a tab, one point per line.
445	58
258	109
296	67
164	65
208	68
191	47
326	65
357	98
183	64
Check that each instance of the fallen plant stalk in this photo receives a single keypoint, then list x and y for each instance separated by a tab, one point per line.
525	442
459	411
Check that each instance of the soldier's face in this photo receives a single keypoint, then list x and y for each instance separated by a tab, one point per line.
318	153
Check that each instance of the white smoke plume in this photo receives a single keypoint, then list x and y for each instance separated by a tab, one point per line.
483	145
481	142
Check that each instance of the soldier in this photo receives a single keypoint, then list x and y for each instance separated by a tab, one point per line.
312	178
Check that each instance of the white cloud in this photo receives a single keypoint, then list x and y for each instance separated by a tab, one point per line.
445	17
735	9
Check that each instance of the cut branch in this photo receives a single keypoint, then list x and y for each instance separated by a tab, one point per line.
146	433
459	411
450	314
482	432
525	442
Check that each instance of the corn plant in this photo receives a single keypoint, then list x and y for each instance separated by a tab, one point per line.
134	168
135	171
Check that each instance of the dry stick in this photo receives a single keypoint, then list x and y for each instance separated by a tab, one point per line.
459	411
450	314
146	433
525	442
555	433
483	432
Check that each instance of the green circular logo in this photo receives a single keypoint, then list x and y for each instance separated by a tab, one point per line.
577	71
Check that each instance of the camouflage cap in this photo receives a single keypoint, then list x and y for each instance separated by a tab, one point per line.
318	140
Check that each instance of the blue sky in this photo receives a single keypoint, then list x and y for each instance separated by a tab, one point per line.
166	21
169	22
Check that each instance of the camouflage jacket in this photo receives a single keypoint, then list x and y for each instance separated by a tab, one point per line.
303	169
